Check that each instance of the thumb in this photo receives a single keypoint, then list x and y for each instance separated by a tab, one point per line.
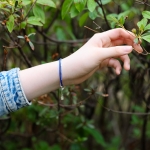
115	51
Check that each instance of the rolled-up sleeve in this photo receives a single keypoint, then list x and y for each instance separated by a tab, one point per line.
12	96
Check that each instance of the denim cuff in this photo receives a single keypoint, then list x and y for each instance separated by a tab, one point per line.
12	95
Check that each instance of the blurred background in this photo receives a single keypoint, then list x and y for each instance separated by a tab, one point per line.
107	112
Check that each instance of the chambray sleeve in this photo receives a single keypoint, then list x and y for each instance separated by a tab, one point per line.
12	96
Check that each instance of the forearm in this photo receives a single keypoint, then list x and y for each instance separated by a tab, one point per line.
40	79
44	78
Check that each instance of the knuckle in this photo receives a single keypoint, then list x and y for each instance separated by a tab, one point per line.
96	35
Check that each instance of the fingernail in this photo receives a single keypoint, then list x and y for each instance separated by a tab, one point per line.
128	66
128	49
118	71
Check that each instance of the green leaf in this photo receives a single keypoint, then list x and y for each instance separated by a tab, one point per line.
34	21
87	90
100	12
5	9
91	5
99	93
146	14
73	11
142	24
66	8
137	132
122	20
136	40
31	45
39	13
104	2
75	146
61	35
31	34
69	32
20	37
122	16
10	23
23	24
80	139
41	145
55	147
112	17
146	33
93	15
138	108
49	3
26	2
135	120
83	19
97	136
147	27
146	38
79	4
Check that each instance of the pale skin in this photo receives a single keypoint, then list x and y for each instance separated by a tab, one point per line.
102	50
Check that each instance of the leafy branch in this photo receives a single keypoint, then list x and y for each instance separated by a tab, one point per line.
142	31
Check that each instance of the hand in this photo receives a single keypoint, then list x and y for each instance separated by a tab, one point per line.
102	50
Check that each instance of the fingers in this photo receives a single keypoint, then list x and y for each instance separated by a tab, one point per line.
117	51
138	48
112	63
116	37
119	33
120	41
126	61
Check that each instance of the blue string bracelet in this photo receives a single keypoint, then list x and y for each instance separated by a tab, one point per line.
60	79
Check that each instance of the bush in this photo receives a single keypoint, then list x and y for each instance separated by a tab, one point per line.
105	112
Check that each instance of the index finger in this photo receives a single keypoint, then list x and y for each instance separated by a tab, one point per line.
119	33
119	36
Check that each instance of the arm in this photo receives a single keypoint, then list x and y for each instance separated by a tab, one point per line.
100	51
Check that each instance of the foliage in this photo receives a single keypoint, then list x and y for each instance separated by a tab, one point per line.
107	111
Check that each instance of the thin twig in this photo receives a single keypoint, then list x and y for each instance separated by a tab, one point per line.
55	17
91	29
19	48
101	6
5	59
64	137
65	106
143	136
30	10
61	41
143	3
128	113
8	47
24	56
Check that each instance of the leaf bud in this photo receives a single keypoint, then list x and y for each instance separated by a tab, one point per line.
133	30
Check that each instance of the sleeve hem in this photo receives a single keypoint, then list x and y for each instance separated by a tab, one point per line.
26	100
